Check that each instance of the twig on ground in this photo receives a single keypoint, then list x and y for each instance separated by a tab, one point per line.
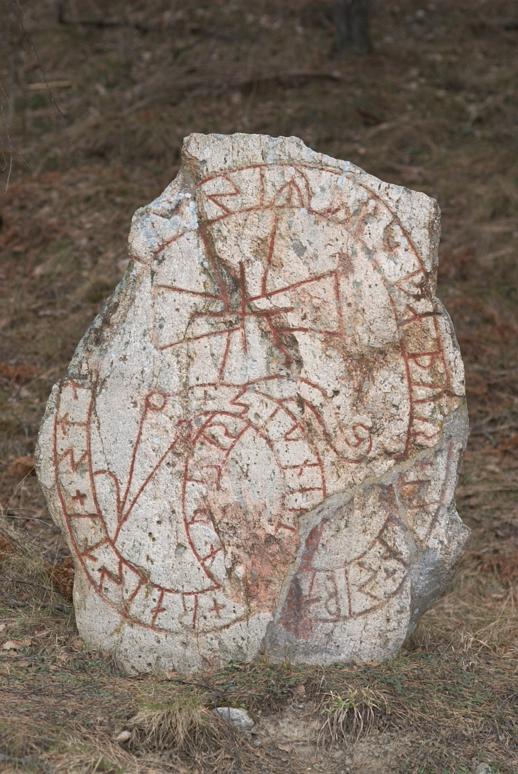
98	23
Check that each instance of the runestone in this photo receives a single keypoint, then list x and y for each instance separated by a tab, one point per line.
255	448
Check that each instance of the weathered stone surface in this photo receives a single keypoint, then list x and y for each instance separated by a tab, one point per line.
257	441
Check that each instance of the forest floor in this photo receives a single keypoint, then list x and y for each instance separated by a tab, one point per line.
93	119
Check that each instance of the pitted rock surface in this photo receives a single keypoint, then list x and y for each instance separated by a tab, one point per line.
255	448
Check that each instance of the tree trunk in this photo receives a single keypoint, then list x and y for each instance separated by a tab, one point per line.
352	26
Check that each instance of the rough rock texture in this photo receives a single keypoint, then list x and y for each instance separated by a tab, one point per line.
237	716
257	441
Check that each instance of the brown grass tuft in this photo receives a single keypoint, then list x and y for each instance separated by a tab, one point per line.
351	714
181	728
183	725
90	753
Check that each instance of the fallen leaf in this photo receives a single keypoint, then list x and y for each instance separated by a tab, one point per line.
62	577
6	547
17	644
18	372
171	675
21	467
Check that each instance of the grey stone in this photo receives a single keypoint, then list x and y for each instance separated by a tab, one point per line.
238	717
255	447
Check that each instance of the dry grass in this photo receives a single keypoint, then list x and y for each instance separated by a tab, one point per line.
350	715
90	754
184	724
184	729
92	126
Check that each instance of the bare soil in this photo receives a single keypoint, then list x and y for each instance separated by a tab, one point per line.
93	114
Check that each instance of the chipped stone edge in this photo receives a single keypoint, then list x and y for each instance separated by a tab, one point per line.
425	589
112	312
206	154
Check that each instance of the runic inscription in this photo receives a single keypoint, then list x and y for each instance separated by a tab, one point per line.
257	444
